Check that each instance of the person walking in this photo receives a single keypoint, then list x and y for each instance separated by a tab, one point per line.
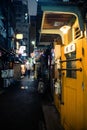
27	64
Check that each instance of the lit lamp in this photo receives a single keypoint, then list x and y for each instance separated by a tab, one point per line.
65	29
19	36
33	43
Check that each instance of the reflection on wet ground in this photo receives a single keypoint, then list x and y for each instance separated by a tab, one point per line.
20	106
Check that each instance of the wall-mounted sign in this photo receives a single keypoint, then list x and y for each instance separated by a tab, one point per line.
21	49
69	48
19	36
7	73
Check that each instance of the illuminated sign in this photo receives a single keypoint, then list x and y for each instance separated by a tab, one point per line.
7	73
19	36
69	48
21	49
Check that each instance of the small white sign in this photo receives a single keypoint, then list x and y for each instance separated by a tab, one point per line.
69	48
7	73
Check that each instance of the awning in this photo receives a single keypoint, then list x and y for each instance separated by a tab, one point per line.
64	10
56	16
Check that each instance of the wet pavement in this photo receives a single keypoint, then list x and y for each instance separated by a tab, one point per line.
22	107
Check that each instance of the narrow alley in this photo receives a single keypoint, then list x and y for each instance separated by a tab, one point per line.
22	107
43	64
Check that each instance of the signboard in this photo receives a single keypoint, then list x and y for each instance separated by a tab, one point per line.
22	49
7	73
19	36
69	48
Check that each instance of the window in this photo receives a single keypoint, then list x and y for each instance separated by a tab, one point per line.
70	65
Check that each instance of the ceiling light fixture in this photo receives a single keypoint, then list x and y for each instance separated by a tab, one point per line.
56	24
65	29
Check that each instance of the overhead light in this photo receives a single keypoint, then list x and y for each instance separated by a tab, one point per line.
56	24
65	29
33	42
19	36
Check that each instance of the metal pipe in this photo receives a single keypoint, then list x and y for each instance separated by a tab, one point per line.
78	59
71	69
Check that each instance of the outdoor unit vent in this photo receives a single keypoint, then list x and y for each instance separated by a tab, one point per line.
77	33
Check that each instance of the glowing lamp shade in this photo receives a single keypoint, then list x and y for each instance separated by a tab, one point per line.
33	42
19	36
65	29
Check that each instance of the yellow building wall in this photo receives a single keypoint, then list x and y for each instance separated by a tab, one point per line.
74	110
79	85
57	49
85	84
74	90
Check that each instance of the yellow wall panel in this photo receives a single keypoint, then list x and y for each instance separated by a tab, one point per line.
74	90
70	108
